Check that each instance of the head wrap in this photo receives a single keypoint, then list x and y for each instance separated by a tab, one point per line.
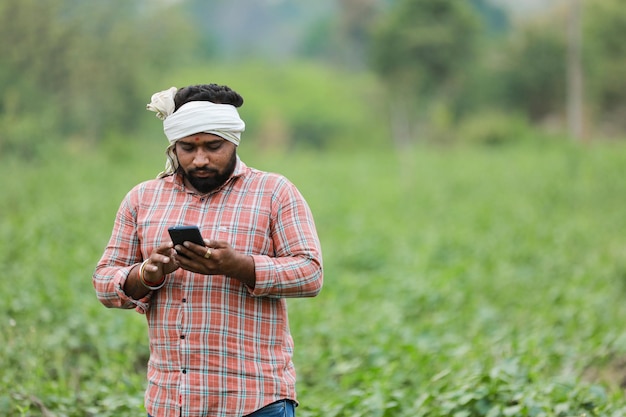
194	117
204	116
162	103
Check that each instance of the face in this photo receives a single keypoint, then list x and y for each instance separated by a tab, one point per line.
206	161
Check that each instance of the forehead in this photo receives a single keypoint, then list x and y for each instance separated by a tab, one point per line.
201	138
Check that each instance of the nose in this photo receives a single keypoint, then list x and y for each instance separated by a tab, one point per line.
201	157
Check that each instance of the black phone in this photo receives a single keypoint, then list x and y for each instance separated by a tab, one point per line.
180	234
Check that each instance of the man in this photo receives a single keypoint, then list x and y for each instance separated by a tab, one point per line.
220	343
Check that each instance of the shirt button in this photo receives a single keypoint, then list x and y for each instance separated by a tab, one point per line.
184	371
184	300
182	336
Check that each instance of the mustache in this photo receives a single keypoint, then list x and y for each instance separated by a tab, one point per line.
203	171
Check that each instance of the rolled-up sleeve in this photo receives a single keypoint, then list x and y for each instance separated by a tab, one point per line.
296	268
120	256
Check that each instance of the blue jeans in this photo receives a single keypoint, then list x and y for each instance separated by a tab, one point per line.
282	408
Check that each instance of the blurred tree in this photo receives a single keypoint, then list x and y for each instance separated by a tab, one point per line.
532	69
267	29
74	68
120	44
419	50
605	31
317	41
532	66
34	52
342	38
574	71
356	18
495	18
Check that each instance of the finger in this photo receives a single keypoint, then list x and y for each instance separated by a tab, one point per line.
150	267
151	271
157	258
217	244
165	249
182	251
198	250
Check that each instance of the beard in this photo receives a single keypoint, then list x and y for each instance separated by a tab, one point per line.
217	178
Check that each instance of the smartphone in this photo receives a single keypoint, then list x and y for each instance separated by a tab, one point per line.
180	234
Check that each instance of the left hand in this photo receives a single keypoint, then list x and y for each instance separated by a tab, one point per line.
223	258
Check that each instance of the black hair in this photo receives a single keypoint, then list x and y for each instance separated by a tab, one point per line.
219	94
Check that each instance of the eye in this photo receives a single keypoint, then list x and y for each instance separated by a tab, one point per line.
185	147
213	146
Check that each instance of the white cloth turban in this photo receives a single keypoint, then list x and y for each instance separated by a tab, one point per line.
204	116
194	117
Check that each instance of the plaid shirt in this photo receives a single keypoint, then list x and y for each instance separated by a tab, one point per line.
217	347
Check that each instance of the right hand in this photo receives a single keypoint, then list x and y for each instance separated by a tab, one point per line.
160	263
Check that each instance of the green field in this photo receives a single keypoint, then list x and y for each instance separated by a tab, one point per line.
458	282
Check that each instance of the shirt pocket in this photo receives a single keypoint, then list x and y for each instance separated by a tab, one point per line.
251	239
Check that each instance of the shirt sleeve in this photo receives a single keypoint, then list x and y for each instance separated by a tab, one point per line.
120	256
296	268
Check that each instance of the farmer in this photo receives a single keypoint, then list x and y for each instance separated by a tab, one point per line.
220	343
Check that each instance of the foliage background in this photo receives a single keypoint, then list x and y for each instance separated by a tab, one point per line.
474	253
